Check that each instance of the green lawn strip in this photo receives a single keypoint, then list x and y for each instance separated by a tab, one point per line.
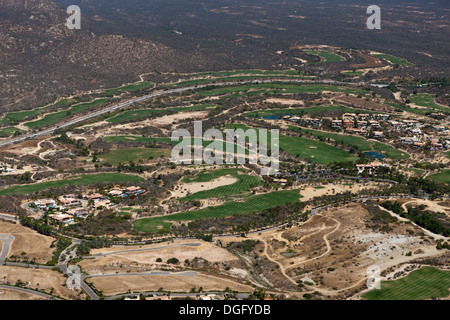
281	89
305	110
443	176
254	204
9	131
53	118
244	183
326	55
393	59
131	87
237	78
411	110
78	108
126	155
359	143
353	73
314	151
72	181
425	283
427	100
252	72
136	115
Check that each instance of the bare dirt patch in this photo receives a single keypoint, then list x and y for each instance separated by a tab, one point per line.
174	283
38	278
35	245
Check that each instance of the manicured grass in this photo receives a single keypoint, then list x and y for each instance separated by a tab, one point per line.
443	176
72	181
425	283
326	55
238	78
254	204
359	143
394	60
258	89
54	118
427	100
252	72
244	183
131	87
136	115
49	119
15	117
78	108
304	111
9	131
126	155
308	149
353	73
314	151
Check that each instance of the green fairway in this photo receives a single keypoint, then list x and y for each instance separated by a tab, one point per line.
252	72
306	110
131	87
359	143
16	117
53	118
126	155
238	78
137	115
393	59
259	89
243	184
9	131
308	149
443	176
425	283
427	100
353	73
72	181
254	204
325	55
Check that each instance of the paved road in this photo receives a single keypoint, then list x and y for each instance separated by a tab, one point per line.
7	240
43	295
130	102
8	217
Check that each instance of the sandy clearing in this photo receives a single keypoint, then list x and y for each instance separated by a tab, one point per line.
137	259
43	279
7	294
116	284
285	101
26	240
310	192
183	189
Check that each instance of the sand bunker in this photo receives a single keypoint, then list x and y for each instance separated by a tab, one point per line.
188	188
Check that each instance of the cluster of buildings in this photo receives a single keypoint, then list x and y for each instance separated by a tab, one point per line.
4	167
68	207
371	167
